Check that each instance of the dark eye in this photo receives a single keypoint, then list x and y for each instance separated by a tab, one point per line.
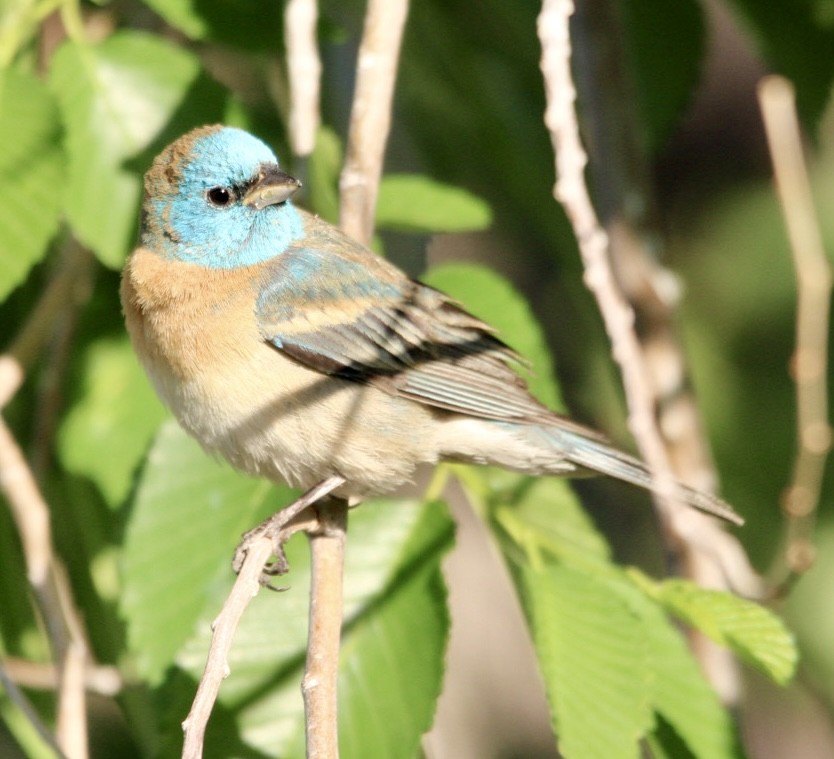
219	196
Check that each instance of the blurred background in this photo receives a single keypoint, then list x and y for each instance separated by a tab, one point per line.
468	111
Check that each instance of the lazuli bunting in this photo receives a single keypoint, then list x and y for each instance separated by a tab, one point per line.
300	355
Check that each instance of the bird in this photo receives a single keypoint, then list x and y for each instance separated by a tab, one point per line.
301	356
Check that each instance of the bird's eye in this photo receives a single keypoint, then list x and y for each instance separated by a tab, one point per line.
219	196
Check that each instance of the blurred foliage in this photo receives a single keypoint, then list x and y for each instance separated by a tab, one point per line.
146	523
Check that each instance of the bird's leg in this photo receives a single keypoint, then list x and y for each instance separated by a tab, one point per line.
282	525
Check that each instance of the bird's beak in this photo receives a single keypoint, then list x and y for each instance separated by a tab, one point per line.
271	187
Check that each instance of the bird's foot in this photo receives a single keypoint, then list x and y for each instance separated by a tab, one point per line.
281	526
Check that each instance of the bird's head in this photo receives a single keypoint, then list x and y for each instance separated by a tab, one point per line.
216	197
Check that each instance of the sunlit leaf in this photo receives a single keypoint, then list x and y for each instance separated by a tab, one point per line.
32	163
594	658
756	634
393	642
108	430
186	518
416	203
115	99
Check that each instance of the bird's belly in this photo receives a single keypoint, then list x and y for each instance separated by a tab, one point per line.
279	420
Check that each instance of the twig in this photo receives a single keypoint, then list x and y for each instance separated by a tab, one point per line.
48	580
246	587
810	361
18	698
304	66
319	686
250	559
625	203
370	116
102	679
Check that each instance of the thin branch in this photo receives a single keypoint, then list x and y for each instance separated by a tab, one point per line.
319	686
47	578
102	679
810	361
685	526
18	698
304	67
370	116
250	559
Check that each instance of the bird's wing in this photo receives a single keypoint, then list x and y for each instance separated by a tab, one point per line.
337	308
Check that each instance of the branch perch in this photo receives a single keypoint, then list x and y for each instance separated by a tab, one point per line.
319	686
686	528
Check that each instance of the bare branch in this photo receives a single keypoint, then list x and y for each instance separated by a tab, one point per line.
687	530
48	580
370	116
250	559
319	686
98	678
809	364
304	65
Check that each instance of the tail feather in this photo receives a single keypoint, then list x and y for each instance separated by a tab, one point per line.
604	459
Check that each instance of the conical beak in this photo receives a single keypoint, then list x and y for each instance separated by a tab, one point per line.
271	187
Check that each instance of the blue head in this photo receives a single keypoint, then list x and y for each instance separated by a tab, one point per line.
216	197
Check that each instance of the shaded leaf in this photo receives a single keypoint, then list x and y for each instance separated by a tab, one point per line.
416	203
32	163
491	298
797	41
256	25
106	433
667	50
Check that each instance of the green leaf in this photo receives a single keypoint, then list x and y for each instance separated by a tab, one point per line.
106	433
754	633
546	517
392	644
186	519
594	659
681	696
115	98
416	203
256	24
324	167
32	163
491	298
797	41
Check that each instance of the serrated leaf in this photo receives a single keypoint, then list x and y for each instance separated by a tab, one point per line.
115	99
32	163
754	633
106	433
680	694
392	644
491	298
416	203
594	659
187	516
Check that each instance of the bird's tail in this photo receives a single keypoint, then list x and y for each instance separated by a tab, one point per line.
598	456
